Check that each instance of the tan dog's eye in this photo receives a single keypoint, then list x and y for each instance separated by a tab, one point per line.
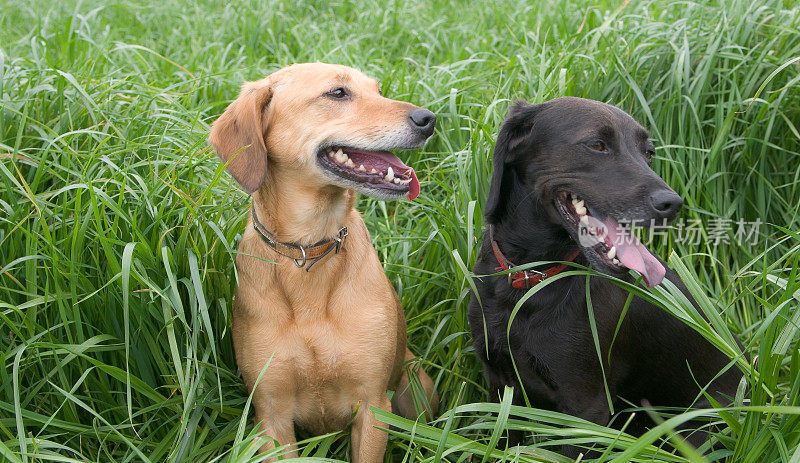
339	93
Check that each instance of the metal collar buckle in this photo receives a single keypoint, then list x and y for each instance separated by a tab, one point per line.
340	238
528	275
302	262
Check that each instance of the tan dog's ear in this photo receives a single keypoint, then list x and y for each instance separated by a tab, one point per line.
239	134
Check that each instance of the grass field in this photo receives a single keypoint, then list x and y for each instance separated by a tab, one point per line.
118	226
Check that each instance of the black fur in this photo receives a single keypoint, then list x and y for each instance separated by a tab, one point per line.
540	150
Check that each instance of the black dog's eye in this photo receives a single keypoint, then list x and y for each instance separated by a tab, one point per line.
597	145
649	154
339	93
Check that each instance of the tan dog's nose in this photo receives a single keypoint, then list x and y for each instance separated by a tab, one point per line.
423	121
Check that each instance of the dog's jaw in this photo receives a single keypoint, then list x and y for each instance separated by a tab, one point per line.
605	242
376	173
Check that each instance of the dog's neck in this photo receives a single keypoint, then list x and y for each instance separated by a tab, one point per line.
526	233
298	212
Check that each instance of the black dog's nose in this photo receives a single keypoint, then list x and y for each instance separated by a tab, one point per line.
666	203
422	120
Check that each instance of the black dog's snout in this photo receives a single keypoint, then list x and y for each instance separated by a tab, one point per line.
666	203
422	120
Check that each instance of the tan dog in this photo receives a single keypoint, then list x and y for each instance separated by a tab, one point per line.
326	317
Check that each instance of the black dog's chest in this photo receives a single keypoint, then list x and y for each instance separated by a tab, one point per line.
552	344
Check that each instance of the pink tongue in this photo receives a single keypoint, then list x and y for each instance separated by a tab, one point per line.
413	187
398	166
632	253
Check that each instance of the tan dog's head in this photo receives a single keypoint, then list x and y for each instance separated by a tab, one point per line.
327	121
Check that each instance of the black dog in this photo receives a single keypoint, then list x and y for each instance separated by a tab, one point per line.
567	172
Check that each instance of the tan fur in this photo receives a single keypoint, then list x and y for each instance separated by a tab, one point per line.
335	337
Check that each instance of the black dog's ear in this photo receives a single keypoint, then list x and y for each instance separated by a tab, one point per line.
514	137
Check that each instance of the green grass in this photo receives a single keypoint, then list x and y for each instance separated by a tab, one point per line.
118	226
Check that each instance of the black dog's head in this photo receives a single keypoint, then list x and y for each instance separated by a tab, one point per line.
587	166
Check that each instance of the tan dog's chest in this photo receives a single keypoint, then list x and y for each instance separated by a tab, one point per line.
332	380
327	348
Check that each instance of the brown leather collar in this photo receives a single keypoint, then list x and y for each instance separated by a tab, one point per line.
525	279
300	254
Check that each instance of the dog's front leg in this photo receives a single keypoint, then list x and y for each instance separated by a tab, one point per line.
590	408
368	443
278	429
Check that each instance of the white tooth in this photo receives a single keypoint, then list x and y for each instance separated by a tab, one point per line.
373	171
585	219
362	168
389	174
615	260
578	203
349	163
612	253
574	201
580	210
396	181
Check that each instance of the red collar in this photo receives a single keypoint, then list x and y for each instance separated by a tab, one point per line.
525	279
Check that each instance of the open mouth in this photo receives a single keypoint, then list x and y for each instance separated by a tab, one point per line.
380	174
613	246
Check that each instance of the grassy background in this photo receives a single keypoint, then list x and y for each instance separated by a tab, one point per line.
117	226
